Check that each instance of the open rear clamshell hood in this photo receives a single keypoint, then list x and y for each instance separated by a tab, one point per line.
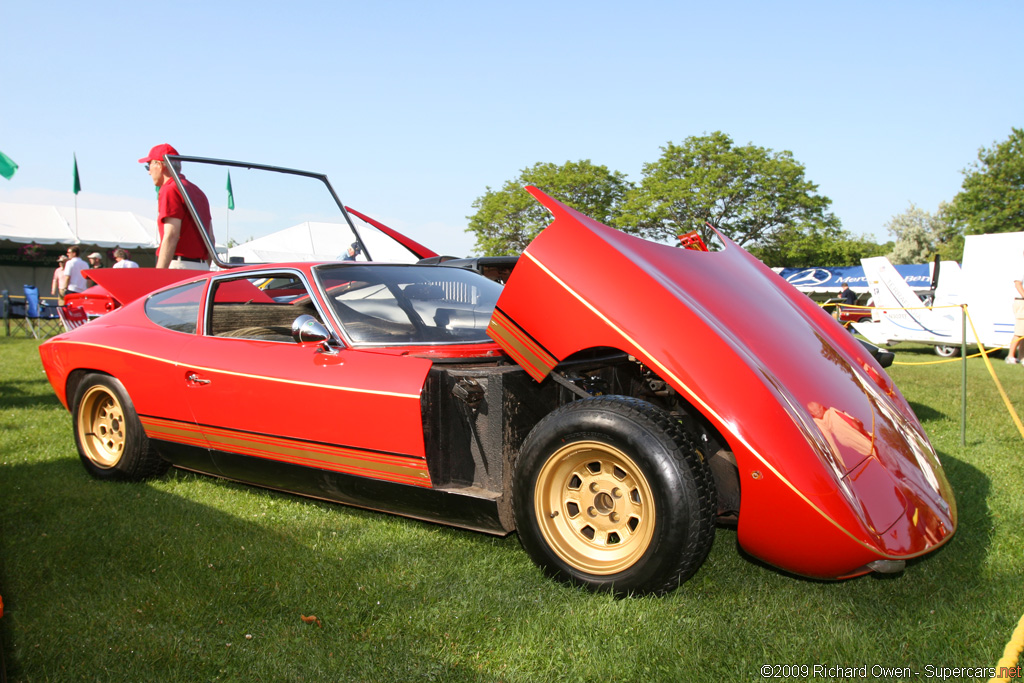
824	442
128	284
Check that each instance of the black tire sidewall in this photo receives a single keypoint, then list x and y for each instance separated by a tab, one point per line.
676	472
137	462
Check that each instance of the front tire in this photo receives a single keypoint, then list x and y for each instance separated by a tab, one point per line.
612	494
111	441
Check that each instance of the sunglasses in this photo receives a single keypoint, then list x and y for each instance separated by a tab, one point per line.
152	162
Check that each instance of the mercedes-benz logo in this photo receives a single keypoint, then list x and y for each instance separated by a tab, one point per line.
811	276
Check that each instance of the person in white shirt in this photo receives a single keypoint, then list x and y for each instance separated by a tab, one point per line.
1018	322
122	261
73	272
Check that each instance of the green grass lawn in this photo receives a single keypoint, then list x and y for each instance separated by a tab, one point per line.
189	578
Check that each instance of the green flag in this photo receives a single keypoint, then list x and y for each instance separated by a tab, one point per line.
7	166
78	184
231	194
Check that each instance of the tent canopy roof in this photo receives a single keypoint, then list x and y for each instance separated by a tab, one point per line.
46	224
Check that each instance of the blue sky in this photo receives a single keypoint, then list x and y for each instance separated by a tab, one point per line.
413	109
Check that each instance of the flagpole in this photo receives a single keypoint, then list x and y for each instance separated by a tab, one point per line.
76	187
227	212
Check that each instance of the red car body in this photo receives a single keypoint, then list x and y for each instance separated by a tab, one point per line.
622	405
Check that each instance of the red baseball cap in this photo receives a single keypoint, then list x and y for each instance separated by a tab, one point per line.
158	152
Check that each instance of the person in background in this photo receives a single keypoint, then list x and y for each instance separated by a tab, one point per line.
1018	321
354	249
121	259
95	262
181	243
57	285
849	298
847	295
74	281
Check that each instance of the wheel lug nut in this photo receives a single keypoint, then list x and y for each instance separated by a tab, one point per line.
592	512
617	492
615	517
594	487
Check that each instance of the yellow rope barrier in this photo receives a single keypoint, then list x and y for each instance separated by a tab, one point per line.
1007	668
992	372
946	360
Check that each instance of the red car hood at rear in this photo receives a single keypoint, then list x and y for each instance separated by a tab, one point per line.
824	442
128	284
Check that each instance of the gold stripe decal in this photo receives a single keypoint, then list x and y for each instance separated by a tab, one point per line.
403	470
523	349
248	375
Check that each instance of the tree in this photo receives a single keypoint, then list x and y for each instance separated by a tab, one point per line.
793	247
921	235
992	194
508	219
751	194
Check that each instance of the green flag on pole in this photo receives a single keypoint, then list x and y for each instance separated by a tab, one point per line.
78	184
7	166
231	194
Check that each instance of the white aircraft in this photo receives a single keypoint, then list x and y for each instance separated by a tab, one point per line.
984	283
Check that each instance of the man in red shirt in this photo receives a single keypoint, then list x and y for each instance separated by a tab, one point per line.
181	244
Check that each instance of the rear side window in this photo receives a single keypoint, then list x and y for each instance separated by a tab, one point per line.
176	309
259	307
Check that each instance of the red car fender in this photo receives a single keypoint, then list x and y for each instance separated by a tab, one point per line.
758	361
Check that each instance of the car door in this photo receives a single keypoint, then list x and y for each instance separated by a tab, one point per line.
256	393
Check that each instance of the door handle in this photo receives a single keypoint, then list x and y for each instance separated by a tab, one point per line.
195	379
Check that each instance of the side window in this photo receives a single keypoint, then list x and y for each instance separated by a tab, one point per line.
176	309
258	307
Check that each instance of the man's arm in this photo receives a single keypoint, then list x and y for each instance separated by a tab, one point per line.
1020	288
172	230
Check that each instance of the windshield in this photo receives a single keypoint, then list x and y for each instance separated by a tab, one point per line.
265	214
409	305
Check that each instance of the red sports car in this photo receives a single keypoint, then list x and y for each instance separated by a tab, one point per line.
610	403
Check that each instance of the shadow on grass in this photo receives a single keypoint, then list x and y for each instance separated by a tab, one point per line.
142	583
926	413
27	393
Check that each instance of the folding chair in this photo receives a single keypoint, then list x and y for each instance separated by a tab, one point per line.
72	316
16	312
31	309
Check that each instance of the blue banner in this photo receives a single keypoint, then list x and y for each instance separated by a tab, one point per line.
918	276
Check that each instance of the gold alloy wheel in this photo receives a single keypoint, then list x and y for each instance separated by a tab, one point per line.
101	427
594	507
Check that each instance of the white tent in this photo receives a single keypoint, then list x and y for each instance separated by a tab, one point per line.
309	241
54	228
42	224
315	241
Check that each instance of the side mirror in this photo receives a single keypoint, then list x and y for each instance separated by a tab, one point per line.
306	328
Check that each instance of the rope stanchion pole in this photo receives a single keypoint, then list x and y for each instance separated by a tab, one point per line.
963	375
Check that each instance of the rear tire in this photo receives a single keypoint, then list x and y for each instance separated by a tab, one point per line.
111	441
612	494
947	351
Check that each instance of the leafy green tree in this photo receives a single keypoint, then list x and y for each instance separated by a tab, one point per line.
793	247
992	194
753	195
921	235
507	220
